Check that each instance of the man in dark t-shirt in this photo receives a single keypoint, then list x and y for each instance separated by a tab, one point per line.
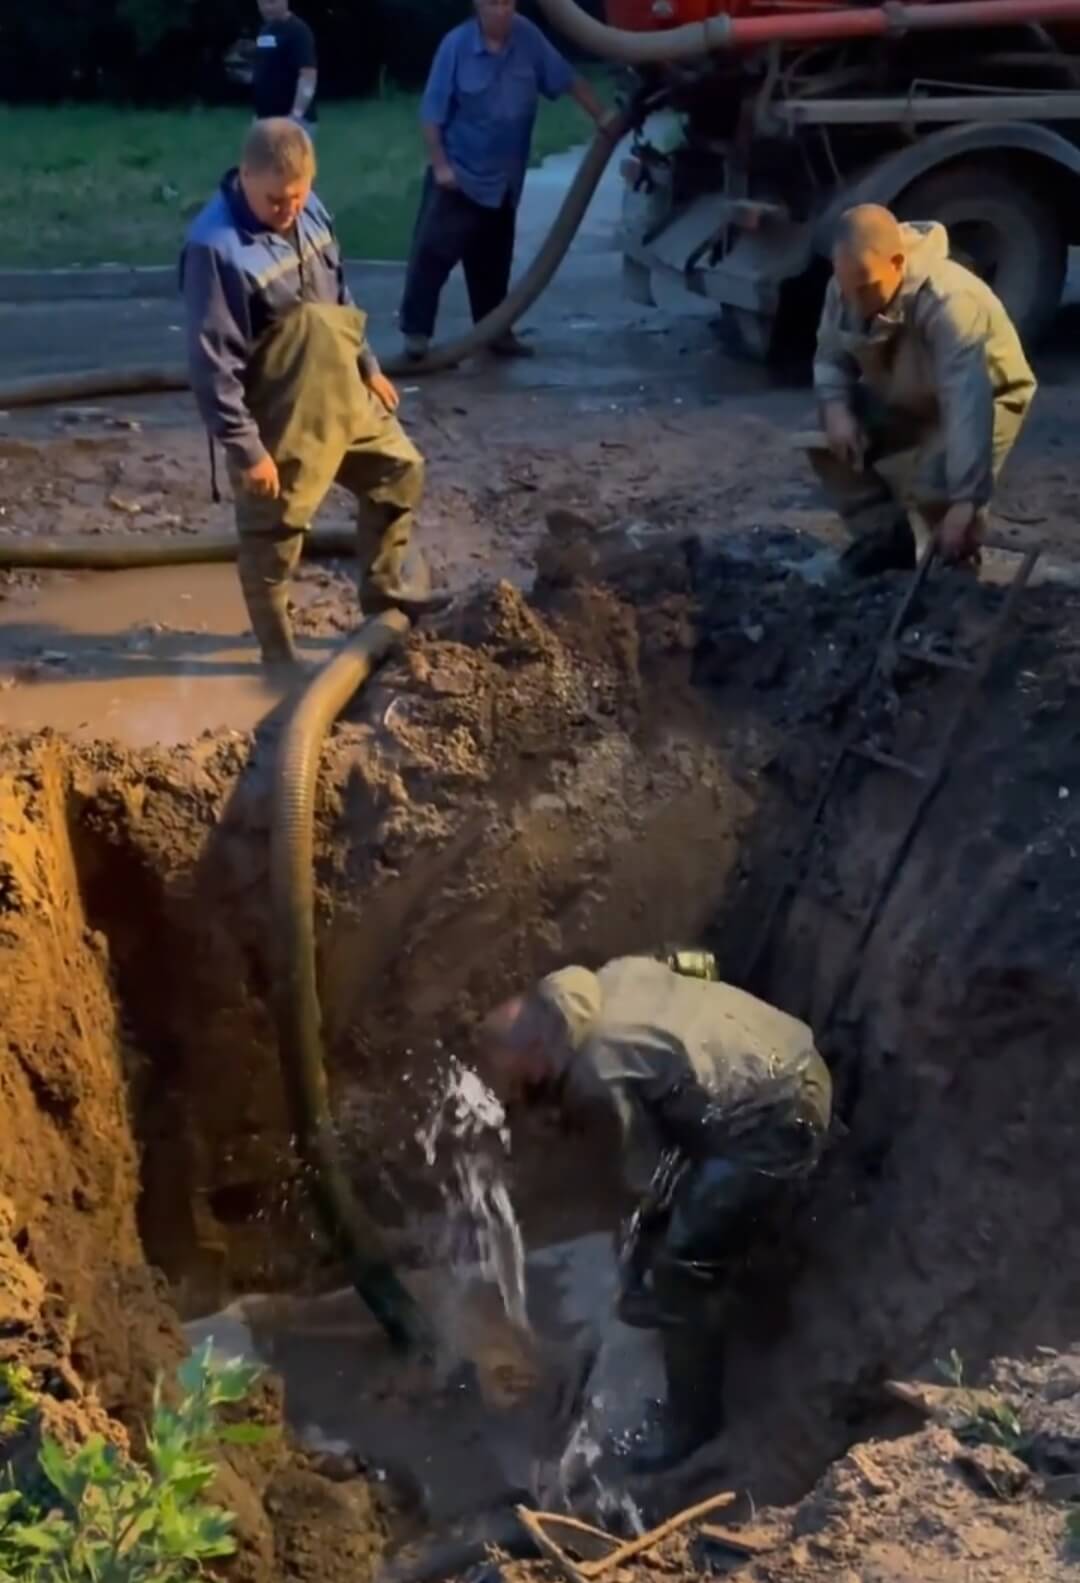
285	74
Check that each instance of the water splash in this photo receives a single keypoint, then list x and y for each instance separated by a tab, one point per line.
480	1235
466	1109
481	1222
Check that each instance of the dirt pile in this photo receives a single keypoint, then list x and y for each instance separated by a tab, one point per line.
981	1491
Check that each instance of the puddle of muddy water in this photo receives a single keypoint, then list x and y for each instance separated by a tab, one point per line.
157	655
345	1388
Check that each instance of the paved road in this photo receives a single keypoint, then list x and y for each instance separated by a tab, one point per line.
43	337
590	341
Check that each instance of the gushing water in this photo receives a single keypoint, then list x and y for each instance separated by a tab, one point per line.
481	1223
480	1232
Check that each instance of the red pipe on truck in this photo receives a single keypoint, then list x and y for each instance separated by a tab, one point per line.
682	32
858	22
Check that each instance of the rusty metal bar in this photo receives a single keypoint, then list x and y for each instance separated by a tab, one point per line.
944	662
794	867
887	761
935	780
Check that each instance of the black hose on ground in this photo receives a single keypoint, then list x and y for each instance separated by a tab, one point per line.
92	382
92	555
354	1235
96	383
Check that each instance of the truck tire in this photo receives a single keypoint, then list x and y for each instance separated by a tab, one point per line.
1004	232
786	340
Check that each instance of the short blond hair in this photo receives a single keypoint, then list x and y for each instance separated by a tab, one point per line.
279	146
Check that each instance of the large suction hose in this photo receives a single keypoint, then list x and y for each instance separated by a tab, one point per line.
91	555
95	383
805	26
550	255
354	1235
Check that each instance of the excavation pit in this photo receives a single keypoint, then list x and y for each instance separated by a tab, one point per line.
621	763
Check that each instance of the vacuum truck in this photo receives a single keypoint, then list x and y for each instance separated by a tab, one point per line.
780	114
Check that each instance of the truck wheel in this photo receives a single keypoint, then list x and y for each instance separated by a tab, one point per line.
785	340
1002	232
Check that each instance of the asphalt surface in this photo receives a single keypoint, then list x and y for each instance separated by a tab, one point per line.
589	340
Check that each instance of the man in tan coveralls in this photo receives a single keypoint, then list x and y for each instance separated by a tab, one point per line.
720	1100
286	382
923	387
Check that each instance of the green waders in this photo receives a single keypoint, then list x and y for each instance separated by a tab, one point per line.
322	425
719	1212
904	478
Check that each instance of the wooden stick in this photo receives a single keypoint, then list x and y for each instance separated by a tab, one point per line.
547	1547
584	1571
745	1544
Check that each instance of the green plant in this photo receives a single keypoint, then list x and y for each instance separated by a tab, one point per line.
1072	1530
993	1424
951	1369
16	1399
113	1520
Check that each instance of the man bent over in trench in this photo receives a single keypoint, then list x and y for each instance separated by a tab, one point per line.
721	1100
923	388
286	382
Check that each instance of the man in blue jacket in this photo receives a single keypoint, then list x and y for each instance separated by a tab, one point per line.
477	118
287	384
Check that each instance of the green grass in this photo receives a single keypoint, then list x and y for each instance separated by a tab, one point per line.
84	184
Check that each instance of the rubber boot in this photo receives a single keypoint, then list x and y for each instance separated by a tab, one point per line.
693	1413
392	573
264	563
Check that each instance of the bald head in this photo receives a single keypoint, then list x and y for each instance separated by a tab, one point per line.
519	1046
869	231
869	258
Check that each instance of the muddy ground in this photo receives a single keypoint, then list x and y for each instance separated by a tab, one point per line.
621	760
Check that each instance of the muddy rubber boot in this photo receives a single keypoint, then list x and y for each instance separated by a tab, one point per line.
396	576
693	1412
263	565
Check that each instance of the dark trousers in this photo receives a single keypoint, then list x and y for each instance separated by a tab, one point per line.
451	229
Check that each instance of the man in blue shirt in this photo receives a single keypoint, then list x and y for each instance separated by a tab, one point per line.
477	117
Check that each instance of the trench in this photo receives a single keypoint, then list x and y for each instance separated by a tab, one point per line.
619	764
